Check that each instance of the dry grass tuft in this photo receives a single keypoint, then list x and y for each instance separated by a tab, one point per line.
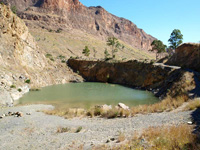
63	129
164	138
167	104
193	104
112	113
67	113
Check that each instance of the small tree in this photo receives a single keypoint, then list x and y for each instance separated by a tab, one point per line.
86	51
114	44
14	9
106	54
94	51
176	38
158	47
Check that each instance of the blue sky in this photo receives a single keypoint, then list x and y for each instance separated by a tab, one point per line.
157	17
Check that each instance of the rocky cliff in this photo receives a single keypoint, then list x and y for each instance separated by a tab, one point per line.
73	14
161	80
22	63
187	56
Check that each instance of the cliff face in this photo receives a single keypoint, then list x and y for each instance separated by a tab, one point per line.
21	60
161	80
187	56
94	20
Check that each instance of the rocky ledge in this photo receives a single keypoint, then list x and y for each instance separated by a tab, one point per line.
162	80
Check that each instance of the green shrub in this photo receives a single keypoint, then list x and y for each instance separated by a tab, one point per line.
61	57
63	61
2	3
48	55
28	81
51	59
19	90
14	9
12	86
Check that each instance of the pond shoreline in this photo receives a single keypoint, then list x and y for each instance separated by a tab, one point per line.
88	94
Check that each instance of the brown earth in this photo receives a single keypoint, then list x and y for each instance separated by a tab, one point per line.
187	56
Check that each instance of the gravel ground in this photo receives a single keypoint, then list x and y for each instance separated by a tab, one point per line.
39	131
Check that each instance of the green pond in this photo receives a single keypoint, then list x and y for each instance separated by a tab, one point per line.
88	94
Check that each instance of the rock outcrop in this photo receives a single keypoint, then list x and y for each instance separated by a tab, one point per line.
187	56
22	63
73	14
159	79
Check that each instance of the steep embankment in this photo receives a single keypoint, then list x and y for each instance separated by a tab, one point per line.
187	56
78	26
22	63
161	80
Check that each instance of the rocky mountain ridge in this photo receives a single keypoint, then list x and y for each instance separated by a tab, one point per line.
74	15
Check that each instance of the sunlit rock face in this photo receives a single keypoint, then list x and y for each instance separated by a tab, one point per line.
93	20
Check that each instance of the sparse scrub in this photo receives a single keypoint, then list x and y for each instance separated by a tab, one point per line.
28	81
19	90
193	104
113	113
86	51
106	54
167	104
12	86
63	61
63	129
66	112
14	9
50	57
124	113
163	138
61	57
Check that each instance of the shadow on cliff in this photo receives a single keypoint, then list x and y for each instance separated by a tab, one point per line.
39	3
196	91
196	119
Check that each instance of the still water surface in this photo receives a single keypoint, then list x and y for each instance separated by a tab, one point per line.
88	94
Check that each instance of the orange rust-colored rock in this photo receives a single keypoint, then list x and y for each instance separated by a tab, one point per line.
73	14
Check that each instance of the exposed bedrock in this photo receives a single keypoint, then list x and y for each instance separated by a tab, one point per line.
161	80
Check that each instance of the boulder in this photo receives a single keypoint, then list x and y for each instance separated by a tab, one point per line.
122	106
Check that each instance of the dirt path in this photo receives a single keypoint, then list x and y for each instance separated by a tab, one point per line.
39	131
